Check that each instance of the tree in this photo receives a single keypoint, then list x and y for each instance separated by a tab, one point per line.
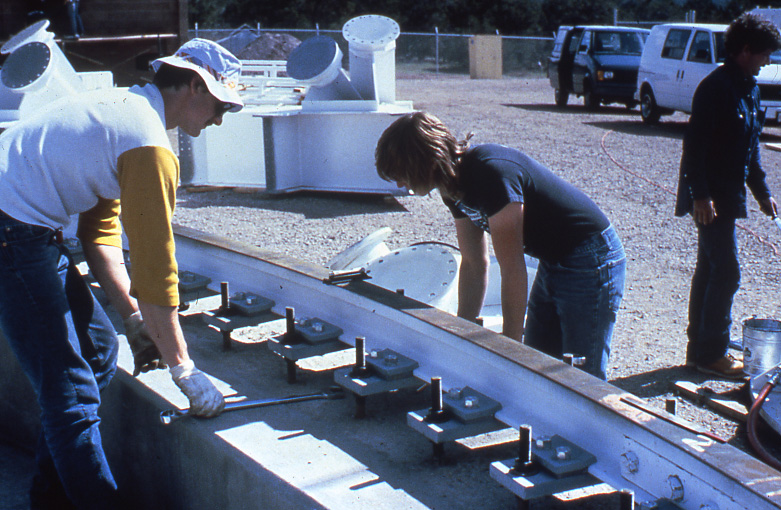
577	12
653	10
464	16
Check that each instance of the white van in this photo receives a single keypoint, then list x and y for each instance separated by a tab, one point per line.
677	56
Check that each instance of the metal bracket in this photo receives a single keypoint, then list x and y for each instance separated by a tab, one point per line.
305	339
317	331
467	411
249	304
384	372
387	371
191	282
346	276
563	467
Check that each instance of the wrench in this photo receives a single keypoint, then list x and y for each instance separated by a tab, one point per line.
333	393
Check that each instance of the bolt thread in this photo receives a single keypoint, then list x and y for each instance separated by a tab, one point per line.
436	394
226	302
290	320
360	352
525	444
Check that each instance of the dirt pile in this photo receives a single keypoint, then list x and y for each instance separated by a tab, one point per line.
269	47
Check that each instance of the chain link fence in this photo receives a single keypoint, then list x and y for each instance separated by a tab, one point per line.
416	53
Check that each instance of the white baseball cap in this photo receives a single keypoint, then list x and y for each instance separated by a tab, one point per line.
218	67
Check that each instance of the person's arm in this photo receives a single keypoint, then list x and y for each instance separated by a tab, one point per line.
755	180
165	330
148	177
507	235
700	134
100	235
473	272
107	265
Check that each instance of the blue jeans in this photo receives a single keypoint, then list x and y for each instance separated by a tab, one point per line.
67	347
714	284
74	18
573	303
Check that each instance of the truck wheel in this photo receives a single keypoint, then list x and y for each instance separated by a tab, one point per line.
590	100
561	96
649	110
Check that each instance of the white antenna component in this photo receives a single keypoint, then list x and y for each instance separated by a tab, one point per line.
318	62
372	43
35	71
35	32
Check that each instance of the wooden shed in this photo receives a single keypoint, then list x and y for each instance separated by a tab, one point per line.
119	35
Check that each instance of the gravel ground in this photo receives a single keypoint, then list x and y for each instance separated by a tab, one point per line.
629	169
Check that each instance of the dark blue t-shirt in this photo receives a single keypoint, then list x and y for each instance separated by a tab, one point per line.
557	215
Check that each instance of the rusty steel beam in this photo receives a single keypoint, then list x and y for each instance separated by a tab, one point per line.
637	448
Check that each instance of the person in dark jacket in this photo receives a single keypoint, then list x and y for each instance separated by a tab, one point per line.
720	157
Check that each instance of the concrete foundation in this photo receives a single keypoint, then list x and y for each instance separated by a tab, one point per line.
301	455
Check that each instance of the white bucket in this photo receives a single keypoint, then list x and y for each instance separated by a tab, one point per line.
761	345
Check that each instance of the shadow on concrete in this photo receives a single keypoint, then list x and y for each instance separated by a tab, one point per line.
672	130
312	205
657	382
575	109
382	441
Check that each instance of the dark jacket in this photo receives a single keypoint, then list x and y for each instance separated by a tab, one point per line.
721	144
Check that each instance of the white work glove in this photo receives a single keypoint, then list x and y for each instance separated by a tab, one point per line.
205	399
146	356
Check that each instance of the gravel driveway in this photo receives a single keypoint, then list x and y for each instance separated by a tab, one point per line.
628	168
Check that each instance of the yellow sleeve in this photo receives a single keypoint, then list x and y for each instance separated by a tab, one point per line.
148	178
100	225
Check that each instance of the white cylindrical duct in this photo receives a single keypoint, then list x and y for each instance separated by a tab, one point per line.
36	69
372	49
318	62
35	32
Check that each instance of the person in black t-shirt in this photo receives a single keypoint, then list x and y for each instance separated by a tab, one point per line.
527	209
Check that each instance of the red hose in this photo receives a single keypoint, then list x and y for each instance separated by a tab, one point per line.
753	416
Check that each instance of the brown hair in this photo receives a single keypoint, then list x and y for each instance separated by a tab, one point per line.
168	76
419	151
754	31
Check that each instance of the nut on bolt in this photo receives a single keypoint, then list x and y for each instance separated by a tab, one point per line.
676	487
630	462
543	442
563	453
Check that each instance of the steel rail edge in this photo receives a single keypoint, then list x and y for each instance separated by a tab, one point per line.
634	449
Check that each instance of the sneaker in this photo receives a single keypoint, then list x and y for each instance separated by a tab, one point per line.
727	367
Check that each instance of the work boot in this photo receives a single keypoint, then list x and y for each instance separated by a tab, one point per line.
727	367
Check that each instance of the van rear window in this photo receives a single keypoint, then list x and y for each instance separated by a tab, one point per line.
675	44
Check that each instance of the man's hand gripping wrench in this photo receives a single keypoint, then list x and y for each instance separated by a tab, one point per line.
335	392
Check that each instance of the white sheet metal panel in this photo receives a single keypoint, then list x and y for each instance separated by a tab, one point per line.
286	149
231	154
